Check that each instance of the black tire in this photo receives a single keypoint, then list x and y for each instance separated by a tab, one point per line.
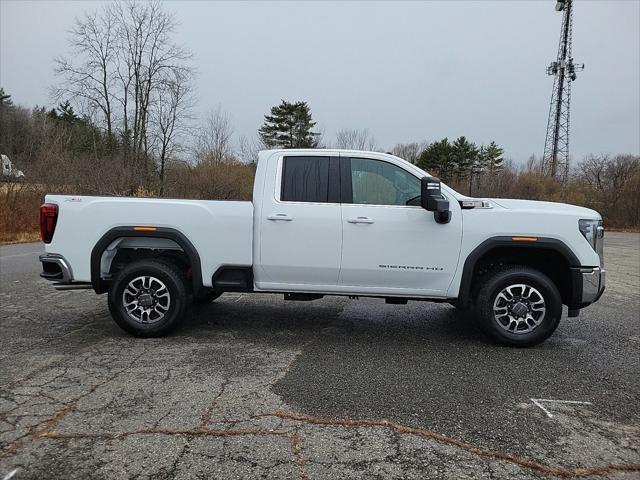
525	333
206	297
164	273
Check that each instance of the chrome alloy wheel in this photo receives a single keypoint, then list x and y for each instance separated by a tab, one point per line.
146	299
519	308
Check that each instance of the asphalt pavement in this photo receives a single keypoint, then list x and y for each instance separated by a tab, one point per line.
252	386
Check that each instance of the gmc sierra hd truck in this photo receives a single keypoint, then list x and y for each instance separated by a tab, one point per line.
331	222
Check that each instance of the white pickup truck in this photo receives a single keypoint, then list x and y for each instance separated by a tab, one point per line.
331	222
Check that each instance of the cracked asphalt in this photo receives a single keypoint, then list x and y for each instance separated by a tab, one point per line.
252	386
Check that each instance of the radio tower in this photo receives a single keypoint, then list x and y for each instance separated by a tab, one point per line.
555	161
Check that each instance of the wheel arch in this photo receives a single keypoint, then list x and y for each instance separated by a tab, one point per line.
171	235
552	256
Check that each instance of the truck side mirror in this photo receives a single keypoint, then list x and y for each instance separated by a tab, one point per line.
431	199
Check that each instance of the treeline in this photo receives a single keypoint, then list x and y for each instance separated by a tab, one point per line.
62	152
462	160
606	183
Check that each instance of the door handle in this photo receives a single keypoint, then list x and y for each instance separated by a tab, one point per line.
360	220
280	216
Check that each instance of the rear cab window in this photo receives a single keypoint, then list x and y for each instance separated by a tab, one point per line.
313	179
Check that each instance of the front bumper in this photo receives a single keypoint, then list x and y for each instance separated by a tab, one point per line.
55	268
593	280
588	285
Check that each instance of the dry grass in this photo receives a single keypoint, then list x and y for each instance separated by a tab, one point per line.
624	229
20	237
19	212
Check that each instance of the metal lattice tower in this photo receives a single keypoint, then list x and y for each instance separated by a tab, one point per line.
555	161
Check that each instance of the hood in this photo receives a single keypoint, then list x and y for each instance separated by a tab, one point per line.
551	207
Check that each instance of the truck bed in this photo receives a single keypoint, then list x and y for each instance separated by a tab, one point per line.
220	231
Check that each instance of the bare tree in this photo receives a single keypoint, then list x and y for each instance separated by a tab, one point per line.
532	165
409	151
87	75
174	107
354	139
593	170
144	36
214	143
610	176
121	60
248	149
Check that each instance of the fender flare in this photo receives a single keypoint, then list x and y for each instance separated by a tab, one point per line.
100	286
542	243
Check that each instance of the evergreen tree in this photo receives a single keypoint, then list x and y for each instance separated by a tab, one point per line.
437	159
289	126
66	113
81	137
489	160
465	157
492	158
5	99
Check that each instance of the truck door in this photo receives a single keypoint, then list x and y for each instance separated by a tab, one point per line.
390	243
300	224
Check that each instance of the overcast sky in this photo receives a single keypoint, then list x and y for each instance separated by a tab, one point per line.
407	71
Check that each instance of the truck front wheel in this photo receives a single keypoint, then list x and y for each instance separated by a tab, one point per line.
147	298
518	306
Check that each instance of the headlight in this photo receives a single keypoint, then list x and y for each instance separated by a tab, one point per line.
593	231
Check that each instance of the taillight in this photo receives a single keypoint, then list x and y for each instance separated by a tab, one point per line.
48	219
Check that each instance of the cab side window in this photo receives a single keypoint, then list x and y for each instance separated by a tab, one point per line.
305	179
374	182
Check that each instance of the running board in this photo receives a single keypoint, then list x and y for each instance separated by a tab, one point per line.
302	297
73	286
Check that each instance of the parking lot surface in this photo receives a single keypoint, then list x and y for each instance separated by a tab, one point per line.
252	386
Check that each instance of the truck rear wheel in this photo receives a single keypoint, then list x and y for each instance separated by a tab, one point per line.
148	298
518	306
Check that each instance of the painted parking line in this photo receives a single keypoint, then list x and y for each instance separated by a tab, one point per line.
10	474
538	402
232	297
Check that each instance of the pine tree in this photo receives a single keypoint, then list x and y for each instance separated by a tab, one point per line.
465	156
289	126
66	113
5	99
492	158
489	161
437	159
